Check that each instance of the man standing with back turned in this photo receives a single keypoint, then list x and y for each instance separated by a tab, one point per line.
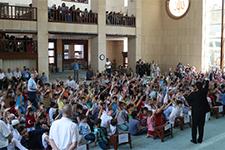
64	133
199	107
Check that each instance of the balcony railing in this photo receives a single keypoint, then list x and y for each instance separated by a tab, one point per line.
72	17
18	12
77	1
18	45
119	20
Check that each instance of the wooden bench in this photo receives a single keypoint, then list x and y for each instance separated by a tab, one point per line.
119	139
179	122
163	131
216	111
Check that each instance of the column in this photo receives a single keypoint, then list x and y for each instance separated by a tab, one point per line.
134	43
59	52
42	34
1	63
98	44
132	53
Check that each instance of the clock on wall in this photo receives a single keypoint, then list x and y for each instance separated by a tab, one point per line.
177	8
102	57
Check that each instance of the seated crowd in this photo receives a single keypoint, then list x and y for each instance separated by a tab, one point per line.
113	18
107	105
65	14
13	44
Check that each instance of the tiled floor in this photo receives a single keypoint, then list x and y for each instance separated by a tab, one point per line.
214	139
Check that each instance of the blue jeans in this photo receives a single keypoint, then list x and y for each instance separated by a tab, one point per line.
103	145
33	98
90	137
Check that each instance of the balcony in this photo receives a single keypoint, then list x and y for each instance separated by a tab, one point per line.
13	48
72	16
18	13
117	19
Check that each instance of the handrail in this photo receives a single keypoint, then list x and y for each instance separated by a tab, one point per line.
120	20
18	12
77	1
18	45
72	16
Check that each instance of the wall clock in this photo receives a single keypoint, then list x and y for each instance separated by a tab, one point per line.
177	8
102	57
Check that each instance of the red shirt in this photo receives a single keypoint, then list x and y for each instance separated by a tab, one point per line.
12	110
30	120
141	105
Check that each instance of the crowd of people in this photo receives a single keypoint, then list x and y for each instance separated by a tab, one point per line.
13	44
65	14
79	1
148	69
113	18
36	114
72	14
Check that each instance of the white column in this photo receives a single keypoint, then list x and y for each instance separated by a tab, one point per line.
42	34
134	43
1	63
98	44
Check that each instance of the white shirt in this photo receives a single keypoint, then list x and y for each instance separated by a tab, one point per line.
2	75
44	141
17	74
9	75
105	120
71	84
64	132
16	134
32	86
51	113
108	65
4	133
176	111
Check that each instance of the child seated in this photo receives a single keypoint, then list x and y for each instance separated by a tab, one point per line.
150	124
101	135
113	127
177	111
45	141
85	130
143	116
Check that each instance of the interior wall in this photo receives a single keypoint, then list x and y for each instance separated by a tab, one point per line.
13	64
115	5
114	51
168	41
182	38
151	30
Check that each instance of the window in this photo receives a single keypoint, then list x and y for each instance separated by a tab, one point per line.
79	51
51	52
73	51
213	24
66	52
51	45
125	3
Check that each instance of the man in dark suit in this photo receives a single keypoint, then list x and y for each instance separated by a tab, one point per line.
199	107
